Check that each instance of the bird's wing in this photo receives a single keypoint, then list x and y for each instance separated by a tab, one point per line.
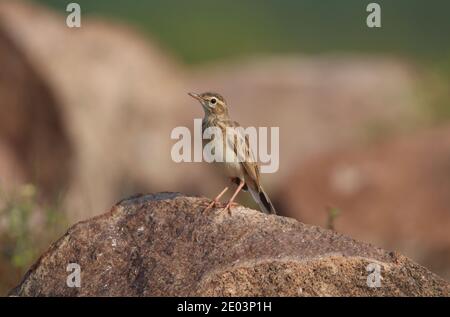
241	146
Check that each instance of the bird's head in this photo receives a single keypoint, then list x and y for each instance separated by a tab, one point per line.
212	103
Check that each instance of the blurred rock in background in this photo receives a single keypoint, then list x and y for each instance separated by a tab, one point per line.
394	194
33	140
318	103
115	97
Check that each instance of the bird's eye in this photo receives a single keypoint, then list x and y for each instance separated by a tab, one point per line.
213	101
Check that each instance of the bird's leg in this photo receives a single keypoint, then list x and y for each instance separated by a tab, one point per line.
216	200
230	202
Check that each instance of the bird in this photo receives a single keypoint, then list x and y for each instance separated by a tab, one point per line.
239	163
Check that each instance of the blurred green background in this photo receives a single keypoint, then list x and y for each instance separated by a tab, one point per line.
201	31
227	29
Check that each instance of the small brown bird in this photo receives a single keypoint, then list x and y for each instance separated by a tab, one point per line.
239	163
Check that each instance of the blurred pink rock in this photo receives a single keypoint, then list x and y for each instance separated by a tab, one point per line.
394	194
118	98
318	103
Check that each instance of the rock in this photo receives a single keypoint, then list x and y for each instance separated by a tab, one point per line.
394	194
163	245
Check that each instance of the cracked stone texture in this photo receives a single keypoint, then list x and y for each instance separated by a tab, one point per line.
164	245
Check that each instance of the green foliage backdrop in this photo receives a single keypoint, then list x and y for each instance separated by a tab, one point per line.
202	30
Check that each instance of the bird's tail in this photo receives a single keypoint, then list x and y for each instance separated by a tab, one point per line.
263	200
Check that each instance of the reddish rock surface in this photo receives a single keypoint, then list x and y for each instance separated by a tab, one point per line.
163	245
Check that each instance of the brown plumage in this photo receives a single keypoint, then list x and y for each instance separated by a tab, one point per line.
239	162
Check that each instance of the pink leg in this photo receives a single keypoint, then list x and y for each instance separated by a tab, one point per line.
216	200
230	202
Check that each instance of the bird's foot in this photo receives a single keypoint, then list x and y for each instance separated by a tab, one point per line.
228	207
216	200
213	204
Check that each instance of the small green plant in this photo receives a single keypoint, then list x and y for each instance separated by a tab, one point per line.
27	227
333	213
16	213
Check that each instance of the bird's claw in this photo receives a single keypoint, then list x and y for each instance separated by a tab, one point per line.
228	207
213	204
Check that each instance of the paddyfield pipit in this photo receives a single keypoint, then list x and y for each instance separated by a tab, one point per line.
238	161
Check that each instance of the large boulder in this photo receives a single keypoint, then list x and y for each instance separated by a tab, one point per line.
165	245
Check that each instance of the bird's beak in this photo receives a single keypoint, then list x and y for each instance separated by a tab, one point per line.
195	96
